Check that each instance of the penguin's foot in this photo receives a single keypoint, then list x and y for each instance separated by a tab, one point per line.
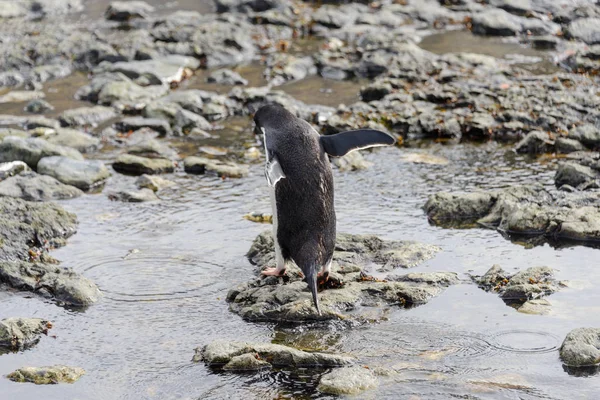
273	272
322	277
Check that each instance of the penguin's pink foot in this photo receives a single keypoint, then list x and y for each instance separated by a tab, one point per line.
322	277
273	272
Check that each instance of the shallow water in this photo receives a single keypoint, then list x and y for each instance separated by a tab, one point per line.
165	269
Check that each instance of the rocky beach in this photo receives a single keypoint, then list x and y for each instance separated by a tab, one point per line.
135	219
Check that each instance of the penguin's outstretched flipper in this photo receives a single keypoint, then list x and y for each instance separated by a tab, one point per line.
341	144
273	171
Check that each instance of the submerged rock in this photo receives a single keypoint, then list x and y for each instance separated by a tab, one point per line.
127	10
21	333
248	356
520	289
352	295
521	210
350	380
85	175
134	196
134	165
47	375
32	150
581	348
154	183
33	187
201	165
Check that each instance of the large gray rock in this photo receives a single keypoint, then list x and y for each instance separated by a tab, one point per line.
38	106
226	354
347	381
186	122
575	175
134	196
75	139
127	95
32	150
127	10
157	71
226	77
134	123
495	22
134	165
536	142
62	285
588	134
21	96
152	182
581	348
87	116
83	174
47	375
21	333
26	228
152	148
33	187
202	165
351	294
521	210
586	29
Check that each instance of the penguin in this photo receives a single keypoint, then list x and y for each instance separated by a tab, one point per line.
300	181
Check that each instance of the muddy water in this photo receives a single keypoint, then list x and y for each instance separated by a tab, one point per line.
165	269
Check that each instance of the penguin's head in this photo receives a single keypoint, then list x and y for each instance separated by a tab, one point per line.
270	116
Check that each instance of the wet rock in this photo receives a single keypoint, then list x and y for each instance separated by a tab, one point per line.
282	67
134	165
87	116
32	150
520	288
63	285
223	353
335	17
544	42
347	381
38	106
186	122
83	174
135	123
26	228
154	183
202	165
536	142
353	161
586	29
246	5
33	187
41	122
127	95
226	77
224	43
20	333
575	175
11	78
588	134
12	168
566	145
581	348
495	22
73	138
44	73
536	307
152	148
157	71
520	210
47	375
517	7
17	96
127	10
134	196
352	294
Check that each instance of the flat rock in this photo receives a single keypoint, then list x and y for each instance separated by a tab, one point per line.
224	353
495	22
588	134
21	96
134	123
152	148
521	210
201	165
20	333
575	175
226	77
26	228
38	106
128	95
586	29
83	174
127	10
32	150
134	165
536	307
33	187
347	381
87	116
75	139
12	168
154	183
134	196
47	375
351	296
157	71
581	348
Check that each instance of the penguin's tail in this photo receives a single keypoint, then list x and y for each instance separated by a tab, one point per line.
311	280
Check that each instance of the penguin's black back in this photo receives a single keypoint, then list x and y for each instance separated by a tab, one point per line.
305	197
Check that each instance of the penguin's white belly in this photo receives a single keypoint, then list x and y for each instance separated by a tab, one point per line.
278	256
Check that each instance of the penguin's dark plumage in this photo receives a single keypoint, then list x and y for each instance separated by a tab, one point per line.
299	174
